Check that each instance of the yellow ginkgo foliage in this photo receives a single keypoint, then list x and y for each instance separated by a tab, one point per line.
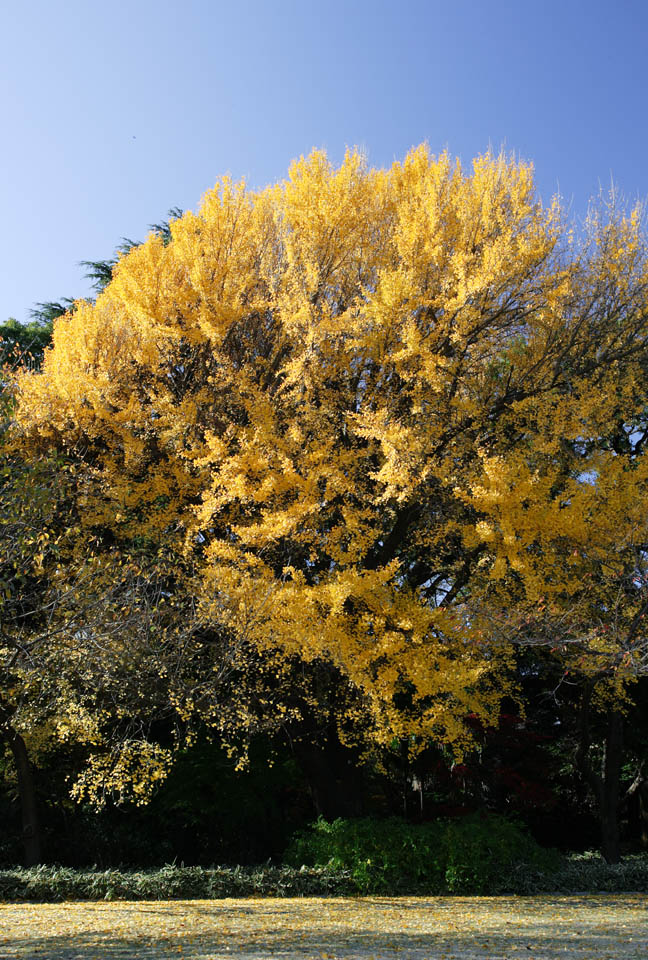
310	389
563	529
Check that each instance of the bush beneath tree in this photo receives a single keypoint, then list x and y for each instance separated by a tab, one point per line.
476	854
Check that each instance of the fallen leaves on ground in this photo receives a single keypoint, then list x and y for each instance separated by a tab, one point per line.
587	927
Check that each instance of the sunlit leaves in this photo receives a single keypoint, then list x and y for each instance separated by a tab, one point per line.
352	401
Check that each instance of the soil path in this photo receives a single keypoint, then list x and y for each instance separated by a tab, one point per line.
587	927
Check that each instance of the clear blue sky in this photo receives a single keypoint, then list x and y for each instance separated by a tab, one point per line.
114	112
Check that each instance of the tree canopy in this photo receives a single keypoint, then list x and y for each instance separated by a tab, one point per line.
369	409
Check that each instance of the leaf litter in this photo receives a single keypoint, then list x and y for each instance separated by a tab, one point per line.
585	927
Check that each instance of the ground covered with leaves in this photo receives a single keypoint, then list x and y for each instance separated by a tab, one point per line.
605	927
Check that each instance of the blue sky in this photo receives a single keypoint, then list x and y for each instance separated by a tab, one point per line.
114	112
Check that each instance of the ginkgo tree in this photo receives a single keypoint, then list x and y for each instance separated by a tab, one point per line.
303	391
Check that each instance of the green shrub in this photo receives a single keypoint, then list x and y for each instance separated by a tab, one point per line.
476	854
485	853
381	855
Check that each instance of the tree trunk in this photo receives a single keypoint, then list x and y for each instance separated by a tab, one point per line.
637	797
606	784
31	834
610	788
643	814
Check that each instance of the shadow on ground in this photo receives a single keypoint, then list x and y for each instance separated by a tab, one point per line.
466	929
